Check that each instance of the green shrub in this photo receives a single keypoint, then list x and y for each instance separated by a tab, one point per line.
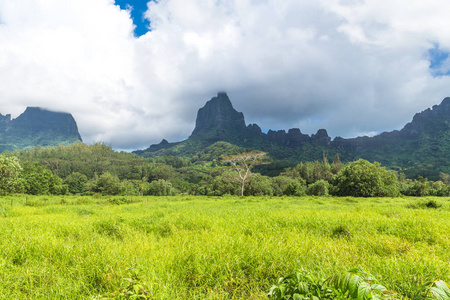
258	185
295	189
364	179
284	185
10	171
302	285
318	188
161	187
76	183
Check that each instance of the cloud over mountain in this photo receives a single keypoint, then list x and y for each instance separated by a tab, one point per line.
351	66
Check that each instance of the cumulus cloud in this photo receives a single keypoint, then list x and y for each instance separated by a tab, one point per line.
352	67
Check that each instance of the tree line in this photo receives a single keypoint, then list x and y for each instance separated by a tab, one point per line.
98	169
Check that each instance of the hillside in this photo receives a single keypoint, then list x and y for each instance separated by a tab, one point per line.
422	147
37	127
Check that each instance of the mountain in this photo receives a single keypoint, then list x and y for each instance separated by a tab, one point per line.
422	147
218	116
37	127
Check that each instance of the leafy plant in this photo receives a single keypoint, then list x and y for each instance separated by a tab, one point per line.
302	286
359	285
437	289
131	288
355	284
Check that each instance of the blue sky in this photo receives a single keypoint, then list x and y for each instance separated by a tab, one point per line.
138	8
438	58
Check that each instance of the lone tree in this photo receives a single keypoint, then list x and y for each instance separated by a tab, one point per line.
243	163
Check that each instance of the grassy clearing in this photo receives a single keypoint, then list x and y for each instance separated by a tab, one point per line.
214	248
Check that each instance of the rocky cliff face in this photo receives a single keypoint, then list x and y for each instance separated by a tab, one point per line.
218	118
437	117
293	138
37	127
218	113
432	122
36	119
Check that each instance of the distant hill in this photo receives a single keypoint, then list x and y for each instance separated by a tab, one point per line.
422	147
37	127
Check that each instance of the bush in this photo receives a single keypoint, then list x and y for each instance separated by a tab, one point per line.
10	171
76	183
224	184
258	185
318	188
364	179
161	187
295	189
38	180
108	184
281	183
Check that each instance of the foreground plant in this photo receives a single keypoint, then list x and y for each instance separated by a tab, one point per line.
131	288
354	284
437	289
358	284
302	285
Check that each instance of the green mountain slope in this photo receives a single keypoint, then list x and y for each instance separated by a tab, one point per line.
37	127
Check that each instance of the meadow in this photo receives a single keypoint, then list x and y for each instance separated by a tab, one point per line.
191	247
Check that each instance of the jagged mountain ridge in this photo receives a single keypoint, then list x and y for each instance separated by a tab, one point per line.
425	141
37	127
218	119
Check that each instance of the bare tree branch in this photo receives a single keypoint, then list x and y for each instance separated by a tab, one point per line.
243	163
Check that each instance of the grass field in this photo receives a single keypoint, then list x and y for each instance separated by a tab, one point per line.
214	248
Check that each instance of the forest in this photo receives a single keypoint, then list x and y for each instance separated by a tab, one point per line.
215	171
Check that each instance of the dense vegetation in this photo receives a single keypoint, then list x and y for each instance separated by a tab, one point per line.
188	247
97	169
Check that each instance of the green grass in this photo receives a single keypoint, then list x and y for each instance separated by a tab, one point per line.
214	248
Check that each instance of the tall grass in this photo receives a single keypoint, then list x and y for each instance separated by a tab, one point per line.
214	248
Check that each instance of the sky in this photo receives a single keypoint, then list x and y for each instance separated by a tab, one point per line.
135	72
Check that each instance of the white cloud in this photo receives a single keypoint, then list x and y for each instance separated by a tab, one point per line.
347	66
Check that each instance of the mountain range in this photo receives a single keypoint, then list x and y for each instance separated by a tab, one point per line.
37	127
421	147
